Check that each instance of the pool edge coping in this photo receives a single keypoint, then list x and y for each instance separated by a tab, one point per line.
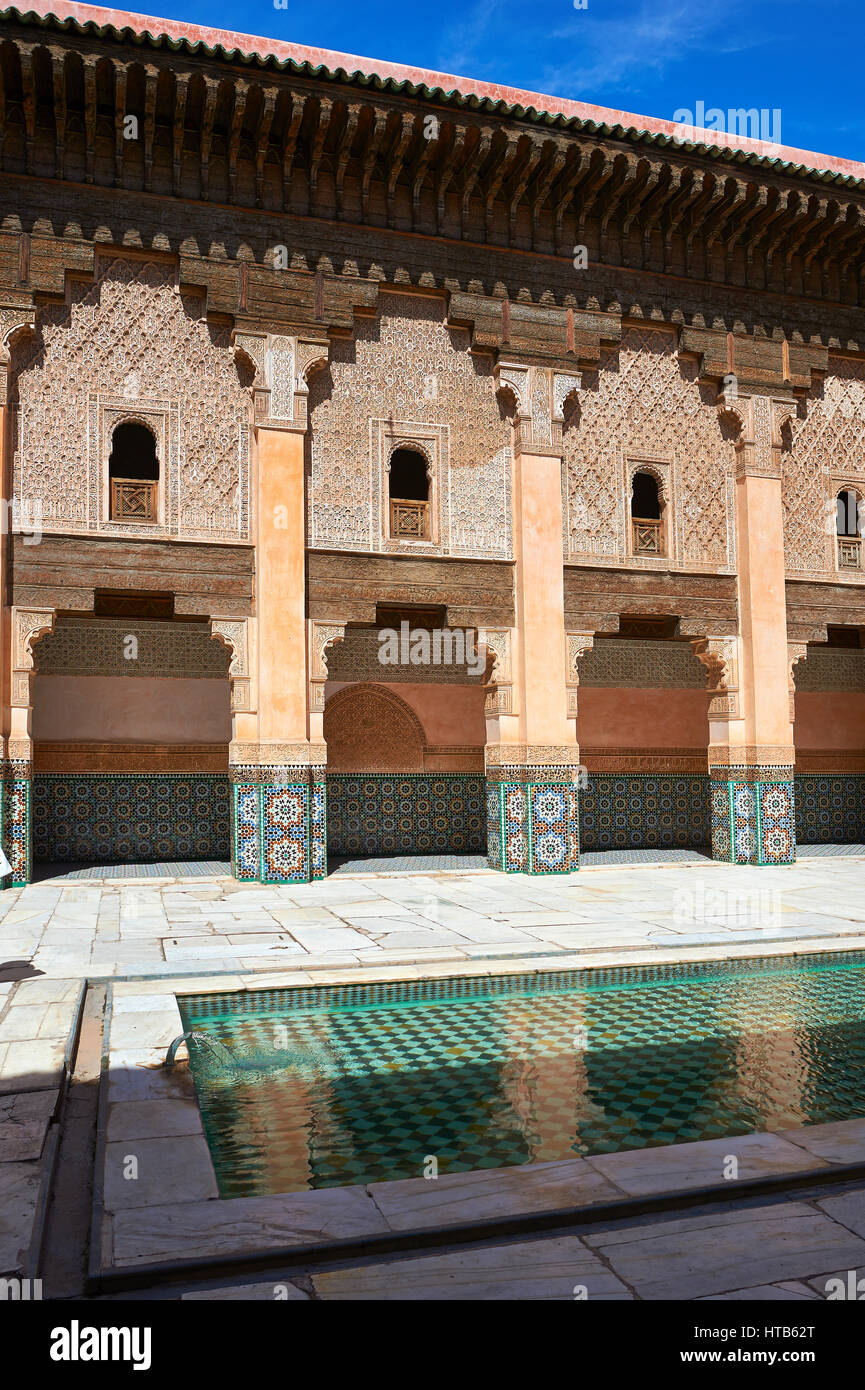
103	1274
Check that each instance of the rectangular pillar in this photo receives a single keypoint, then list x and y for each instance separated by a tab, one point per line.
532	757
751	753
277	772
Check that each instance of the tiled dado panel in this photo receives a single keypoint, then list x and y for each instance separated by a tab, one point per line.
753	822
533	827
405	813
123	818
644	811
15	818
280	831
830	809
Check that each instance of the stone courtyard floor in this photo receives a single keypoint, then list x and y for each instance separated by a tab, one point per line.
203	931
70	929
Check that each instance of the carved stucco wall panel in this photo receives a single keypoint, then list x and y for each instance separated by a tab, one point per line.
407	366
130	346
645	402
826	438
100	647
370	729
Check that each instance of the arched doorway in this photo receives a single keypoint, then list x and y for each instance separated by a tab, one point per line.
131	726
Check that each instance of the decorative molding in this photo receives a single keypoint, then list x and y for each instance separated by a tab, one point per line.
749	758
829	760
300	755
283	366
53	756
369	728
538	394
642	663
647	760
761	422
565	385
831	669
527	755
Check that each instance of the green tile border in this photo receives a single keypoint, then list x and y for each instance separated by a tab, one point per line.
387	993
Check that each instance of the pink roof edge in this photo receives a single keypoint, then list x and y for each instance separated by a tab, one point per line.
557	106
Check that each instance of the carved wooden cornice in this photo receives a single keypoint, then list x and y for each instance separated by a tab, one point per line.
210	129
536	334
741	364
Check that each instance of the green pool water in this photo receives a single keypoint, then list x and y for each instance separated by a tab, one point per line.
330	1087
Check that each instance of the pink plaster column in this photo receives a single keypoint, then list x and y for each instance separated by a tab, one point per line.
532	755
751	738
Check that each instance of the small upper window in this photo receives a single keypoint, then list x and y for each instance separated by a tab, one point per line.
846	507
647	528
133	470
408	488
847	530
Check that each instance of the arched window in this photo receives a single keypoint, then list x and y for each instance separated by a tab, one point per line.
133	470
408	489
646	523
847	530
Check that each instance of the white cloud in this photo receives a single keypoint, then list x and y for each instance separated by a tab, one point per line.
617	53
474	46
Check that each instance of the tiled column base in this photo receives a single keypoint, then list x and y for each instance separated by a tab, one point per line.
15	823
279	824
533	820
753	815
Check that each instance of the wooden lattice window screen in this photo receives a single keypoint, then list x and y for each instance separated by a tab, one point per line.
132	500
409	520
647	537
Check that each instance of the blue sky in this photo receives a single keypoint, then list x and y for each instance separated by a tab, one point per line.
650	56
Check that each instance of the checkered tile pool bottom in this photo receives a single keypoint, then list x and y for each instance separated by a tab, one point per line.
371	1083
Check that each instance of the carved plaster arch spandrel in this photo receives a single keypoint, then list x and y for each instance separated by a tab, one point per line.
513	381
323	636
576	645
719	655
236	635
28	625
499	688
370	729
796	652
761	421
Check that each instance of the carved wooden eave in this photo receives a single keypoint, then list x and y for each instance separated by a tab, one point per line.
254	134
748	365
541	334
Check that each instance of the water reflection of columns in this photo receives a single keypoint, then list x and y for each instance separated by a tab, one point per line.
544	1076
291	1112
773	1061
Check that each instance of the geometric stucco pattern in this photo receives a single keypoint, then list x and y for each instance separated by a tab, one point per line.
642	664
831	669
129	346
404	366
646	403
357	658
828	439
100	647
